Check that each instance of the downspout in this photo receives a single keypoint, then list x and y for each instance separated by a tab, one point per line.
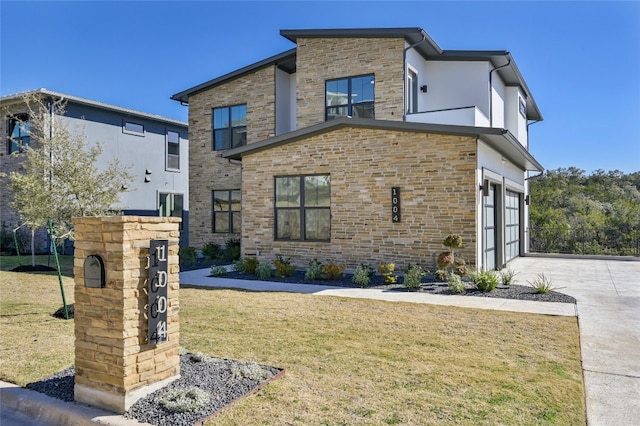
491	90
404	76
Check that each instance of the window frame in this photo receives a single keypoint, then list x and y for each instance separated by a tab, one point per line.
231	129
169	155
412	90
350	104
172	196
230	211
301	208
23	140
522	107
129	131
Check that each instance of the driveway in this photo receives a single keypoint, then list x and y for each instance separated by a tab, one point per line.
608	305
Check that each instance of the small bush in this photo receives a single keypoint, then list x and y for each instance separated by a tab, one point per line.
183	400
314	271
413	277
231	249
250	265
239	266
455	284
263	271
332	271
441	275
218	271
187	255
542	284
212	251
453	241
507	276
362	275
386	270
445	259
484	280
460	267
284	268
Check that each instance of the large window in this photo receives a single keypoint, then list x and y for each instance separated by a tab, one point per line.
19	133
226	211
229	127
171	205
350	97
173	150
303	208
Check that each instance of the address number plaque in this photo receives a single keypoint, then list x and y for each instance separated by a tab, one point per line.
158	280
395	204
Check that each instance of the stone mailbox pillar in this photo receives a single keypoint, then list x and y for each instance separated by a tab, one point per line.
116	362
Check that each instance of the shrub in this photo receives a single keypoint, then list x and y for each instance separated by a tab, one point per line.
314	271
239	266
413	277
441	275
484	280
332	271
183	400
445	259
250	265
453	241
212	251
263	271
506	276
542	284
455	284
460	267
218	271
362	275
386	270
284	268
231	249
187	255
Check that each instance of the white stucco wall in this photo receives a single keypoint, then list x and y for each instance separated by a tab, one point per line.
514	120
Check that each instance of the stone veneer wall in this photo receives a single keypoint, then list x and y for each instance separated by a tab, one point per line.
207	171
114	364
436	175
321	59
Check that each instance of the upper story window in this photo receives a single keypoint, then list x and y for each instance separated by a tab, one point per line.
19	130
173	150
229	127
522	107
133	128
412	91
350	97
303	208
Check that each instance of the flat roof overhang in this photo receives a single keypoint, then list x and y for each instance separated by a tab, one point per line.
499	139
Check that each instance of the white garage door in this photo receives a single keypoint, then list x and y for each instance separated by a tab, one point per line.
512	225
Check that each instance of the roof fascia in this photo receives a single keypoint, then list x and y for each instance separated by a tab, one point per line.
184	95
500	139
18	98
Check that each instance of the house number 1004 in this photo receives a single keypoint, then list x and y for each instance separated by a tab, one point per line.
395	204
158	280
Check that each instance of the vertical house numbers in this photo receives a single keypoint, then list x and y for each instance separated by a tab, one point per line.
395	204
158	280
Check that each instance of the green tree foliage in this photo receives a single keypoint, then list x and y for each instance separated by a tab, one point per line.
592	214
60	178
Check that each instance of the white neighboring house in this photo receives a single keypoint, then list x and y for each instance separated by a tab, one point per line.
154	148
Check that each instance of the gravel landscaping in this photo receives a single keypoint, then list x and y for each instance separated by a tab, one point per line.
206	385
429	285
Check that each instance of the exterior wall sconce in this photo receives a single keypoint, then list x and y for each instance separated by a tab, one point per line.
423	88
147	172
485	187
526	199
147	179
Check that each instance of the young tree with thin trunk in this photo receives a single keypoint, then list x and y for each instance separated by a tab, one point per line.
60	178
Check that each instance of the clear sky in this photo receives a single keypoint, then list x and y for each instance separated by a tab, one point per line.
581	60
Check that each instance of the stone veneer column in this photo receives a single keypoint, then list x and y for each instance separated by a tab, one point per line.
115	366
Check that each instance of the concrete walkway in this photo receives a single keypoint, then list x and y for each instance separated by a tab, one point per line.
608	310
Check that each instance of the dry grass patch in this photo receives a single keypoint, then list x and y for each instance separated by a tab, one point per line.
372	362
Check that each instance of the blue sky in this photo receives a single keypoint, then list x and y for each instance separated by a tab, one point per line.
581	60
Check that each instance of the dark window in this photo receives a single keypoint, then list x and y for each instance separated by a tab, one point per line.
229	127
352	96
171	205
173	150
130	127
303	207
412	92
226	211
19	130
522	107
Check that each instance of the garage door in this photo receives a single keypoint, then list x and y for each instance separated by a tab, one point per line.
512	224
490	229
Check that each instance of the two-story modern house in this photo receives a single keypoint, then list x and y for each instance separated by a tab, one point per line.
155	149
364	146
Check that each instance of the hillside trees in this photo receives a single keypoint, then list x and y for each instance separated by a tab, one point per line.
60	178
590	214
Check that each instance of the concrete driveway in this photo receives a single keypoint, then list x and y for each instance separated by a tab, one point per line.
608	305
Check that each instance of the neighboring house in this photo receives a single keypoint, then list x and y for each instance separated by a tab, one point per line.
155	148
364	146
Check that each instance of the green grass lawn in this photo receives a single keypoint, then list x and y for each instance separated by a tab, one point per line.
347	361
